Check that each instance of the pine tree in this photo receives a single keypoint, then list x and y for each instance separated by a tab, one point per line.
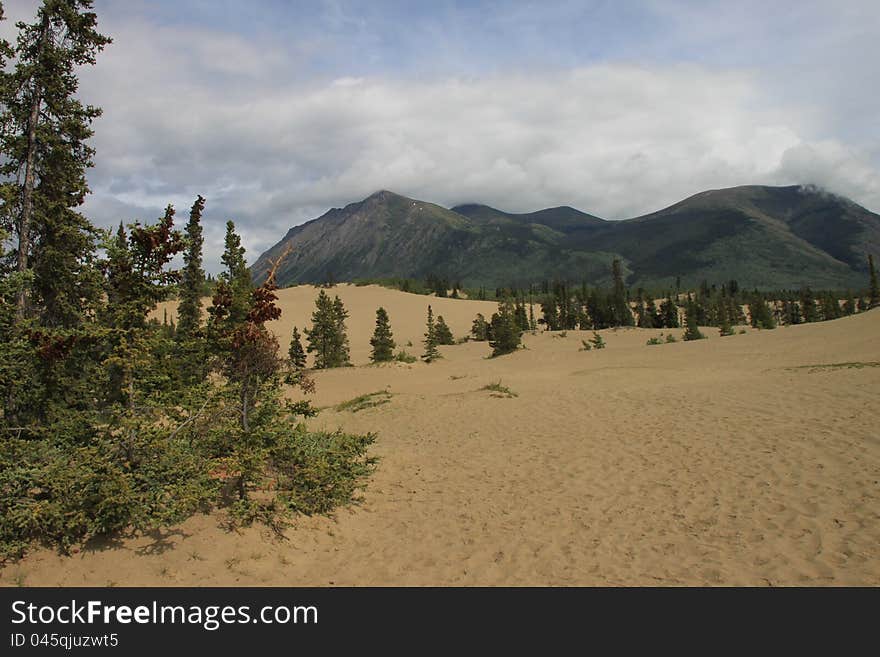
724	325
830	307
340	314
479	328
692	330
43	159
874	290
760	313
189	313
327	338
444	334
808	306
382	340
620	303
295	353
506	334
431	352
669	311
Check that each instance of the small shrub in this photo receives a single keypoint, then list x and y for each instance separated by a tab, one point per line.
499	390
403	356
586	346
670	338
652	341
363	402
598	342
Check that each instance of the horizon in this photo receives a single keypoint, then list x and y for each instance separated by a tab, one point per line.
276	114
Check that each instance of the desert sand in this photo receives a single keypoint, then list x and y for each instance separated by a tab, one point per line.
746	460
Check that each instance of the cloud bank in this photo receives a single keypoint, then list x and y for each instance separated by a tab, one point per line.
248	124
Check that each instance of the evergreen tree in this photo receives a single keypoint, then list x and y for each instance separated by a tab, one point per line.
382	340
431	352
189	312
808	306
326	338
533	325
620	302
295	353
724	325
669	312
692	330
444	334
479	328
190	351
830	307
849	306
874	289
341	314
760	314
506	334
43	159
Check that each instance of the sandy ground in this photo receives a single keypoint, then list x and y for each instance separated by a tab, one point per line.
727	461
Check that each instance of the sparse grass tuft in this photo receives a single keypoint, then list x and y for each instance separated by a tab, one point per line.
857	365
656	340
561	334
364	402
499	390
671	338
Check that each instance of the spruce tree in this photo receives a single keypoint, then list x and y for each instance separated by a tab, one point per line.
341	352
326	338
431	352
189	313
808	306
669	311
479	328
760	314
692	330
724	325
874	289
506	334
382	341
620	302
444	334
295	353
43	159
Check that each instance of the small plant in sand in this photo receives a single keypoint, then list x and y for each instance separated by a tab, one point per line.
586	346
403	356
363	402
499	390
597	341
670	338
561	334
655	340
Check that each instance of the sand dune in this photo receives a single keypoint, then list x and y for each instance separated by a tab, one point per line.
728	461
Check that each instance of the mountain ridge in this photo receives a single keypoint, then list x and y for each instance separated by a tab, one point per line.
766	237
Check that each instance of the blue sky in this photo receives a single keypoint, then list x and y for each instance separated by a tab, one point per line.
276	111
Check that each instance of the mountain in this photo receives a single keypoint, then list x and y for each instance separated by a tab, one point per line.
768	237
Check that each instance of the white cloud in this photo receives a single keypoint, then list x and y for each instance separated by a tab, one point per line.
195	111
